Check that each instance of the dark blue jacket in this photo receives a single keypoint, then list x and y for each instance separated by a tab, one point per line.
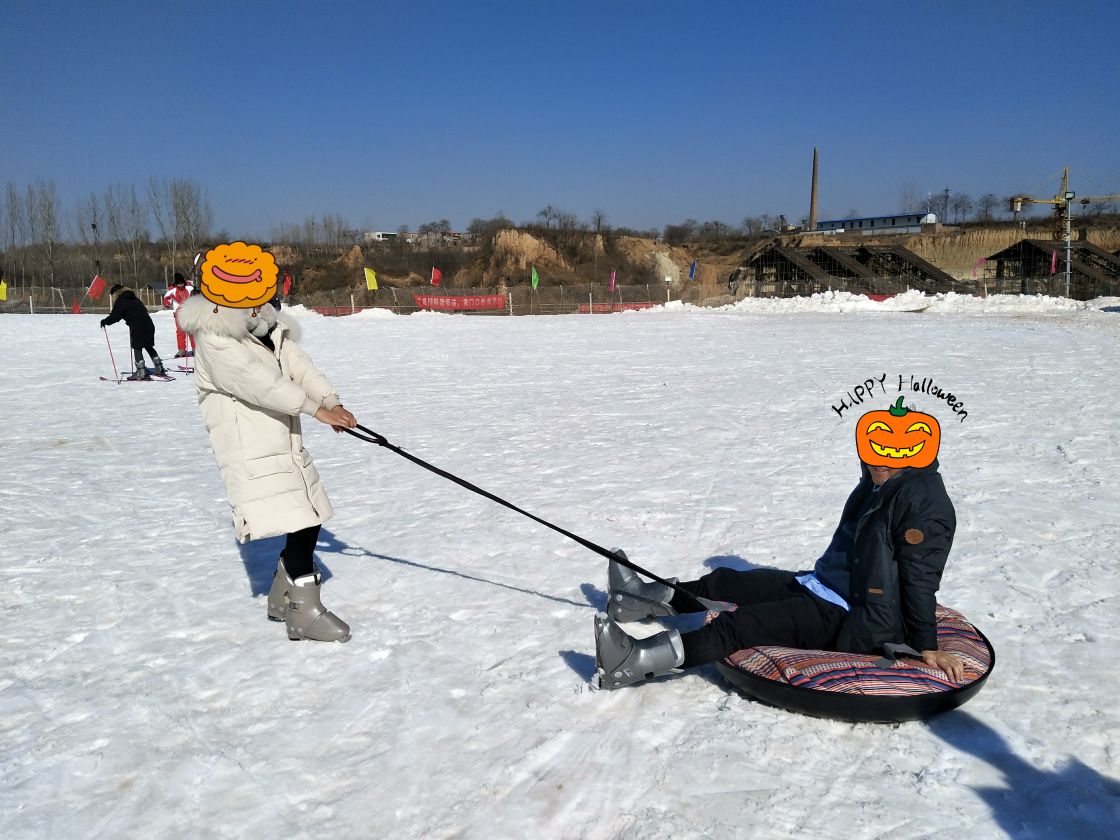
898	554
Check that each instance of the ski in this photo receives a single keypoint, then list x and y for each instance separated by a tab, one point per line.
152	377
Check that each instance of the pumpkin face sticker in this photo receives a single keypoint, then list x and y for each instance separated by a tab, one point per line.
239	275
897	437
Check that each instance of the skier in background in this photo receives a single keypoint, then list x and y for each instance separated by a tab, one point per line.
173	298
141	329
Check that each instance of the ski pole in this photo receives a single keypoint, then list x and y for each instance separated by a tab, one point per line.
373	437
111	359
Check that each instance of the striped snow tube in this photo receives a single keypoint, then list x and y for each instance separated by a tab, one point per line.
868	689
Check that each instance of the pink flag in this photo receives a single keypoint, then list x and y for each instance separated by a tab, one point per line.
1053	262
612	282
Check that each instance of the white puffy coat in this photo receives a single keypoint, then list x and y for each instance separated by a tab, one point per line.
251	398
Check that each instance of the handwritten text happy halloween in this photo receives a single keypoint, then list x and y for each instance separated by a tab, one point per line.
867	389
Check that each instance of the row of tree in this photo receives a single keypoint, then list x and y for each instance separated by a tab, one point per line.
40	238
36	229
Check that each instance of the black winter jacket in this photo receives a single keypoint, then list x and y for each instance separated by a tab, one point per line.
135	314
897	557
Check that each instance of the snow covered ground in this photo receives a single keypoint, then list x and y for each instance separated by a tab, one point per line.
143	694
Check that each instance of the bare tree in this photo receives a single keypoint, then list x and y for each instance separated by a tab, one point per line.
182	214
88	226
715	230
566	221
598	221
191	214
909	197
938	204
15	227
686	231
752	225
548	215
961	205
127	218
986	207
310	236
159	201
87	219
483	231
1096	209
43	221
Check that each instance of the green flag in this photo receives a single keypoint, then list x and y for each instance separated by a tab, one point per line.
536	279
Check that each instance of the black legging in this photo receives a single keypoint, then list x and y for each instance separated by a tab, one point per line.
774	609
299	552
138	353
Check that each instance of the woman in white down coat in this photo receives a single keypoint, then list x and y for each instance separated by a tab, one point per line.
253	383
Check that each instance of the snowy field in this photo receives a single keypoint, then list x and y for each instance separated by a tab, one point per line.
143	693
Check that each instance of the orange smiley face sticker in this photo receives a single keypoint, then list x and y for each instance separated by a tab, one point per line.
897	437
239	275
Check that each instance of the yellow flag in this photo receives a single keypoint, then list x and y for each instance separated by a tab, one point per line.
371	279
3	289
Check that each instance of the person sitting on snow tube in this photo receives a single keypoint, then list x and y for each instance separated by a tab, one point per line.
872	591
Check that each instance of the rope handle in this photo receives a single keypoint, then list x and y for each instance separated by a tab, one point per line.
371	436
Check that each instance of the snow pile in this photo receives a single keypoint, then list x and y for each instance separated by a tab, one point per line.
374	312
912	300
298	310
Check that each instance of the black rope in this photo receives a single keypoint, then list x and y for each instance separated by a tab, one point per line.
371	436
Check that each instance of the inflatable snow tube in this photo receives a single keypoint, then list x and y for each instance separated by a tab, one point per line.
864	689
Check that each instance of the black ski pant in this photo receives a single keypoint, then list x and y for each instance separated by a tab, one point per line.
773	609
138	355
299	551
142	338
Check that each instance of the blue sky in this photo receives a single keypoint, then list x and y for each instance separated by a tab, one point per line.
395	114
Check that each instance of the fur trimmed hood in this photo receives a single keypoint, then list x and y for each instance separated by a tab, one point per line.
198	315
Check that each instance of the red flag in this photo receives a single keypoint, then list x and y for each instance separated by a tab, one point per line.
97	287
1053	262
437	275
612	282
76	308
287	283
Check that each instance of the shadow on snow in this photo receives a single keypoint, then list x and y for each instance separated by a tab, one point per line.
1070	801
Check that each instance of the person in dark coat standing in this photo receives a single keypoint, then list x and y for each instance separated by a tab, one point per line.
872	591
141	329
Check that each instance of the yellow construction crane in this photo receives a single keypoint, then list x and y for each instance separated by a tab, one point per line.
1061	202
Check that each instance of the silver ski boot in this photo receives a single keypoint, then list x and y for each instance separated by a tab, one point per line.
307	618
629	599
141	373
278	593
623	660
157	363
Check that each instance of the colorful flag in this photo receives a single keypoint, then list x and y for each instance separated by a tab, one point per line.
692	271
96	288
287	283
437	275
536	279
611	288
371	279
1053	262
